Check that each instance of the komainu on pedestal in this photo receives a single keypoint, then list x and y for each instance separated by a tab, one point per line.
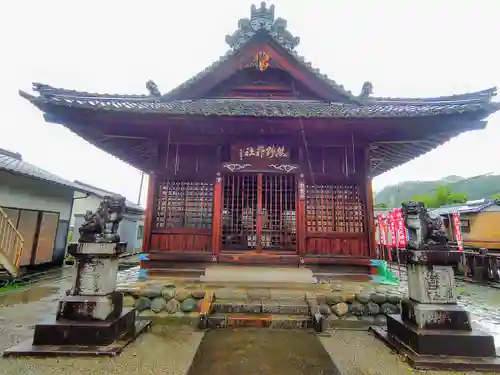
90	319
433	331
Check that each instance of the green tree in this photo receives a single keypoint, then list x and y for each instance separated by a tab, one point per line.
496	196
442	196
381	205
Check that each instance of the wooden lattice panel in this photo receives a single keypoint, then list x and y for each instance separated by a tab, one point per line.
184	205
259	212
334	208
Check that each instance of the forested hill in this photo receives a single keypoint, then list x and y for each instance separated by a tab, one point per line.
474	188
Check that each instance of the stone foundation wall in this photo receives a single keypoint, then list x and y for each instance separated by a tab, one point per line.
370	307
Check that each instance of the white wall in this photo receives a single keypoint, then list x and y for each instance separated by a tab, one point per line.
22	192
83	204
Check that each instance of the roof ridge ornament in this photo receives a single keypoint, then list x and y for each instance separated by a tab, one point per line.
366	90
262	18
152	88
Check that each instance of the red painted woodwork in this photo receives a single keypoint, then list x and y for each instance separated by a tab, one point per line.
259	212
148	219
217	216
335	221
183	217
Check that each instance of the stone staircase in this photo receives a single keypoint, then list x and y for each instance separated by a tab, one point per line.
11	247
262	308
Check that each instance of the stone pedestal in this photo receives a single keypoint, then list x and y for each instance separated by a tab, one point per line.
90	319
432	330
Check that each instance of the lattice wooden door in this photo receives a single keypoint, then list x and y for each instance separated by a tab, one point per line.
259	212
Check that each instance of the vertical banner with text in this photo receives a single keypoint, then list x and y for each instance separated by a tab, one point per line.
458	233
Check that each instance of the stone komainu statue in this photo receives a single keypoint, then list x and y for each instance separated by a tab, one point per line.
424	231
102	225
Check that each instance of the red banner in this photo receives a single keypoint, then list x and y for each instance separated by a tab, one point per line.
382	227
458	233
392	227
401	229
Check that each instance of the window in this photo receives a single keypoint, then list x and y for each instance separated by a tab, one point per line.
465	226
140	232
184	205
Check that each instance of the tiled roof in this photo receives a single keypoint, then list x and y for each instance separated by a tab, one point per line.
265	108
101	193
465	208
13	163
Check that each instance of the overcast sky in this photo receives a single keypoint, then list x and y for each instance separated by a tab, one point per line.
405	48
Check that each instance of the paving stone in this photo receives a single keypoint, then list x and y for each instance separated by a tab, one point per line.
259	293
229	293
285	307
237	306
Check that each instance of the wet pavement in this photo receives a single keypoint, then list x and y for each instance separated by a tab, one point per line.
170	350
261	352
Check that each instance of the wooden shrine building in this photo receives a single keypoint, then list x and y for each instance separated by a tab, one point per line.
260	158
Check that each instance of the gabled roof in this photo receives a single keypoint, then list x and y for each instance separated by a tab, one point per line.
262	22
13	162
101	193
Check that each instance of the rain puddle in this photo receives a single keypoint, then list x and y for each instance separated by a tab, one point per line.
31	294
261	352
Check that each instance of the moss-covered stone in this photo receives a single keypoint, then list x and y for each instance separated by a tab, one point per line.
378	298
333	298
389	308
198	294
142	303
168	293
172	306
363	297
151	292
158	305
324	309
128	301
188	305
371	308
182	294
356	308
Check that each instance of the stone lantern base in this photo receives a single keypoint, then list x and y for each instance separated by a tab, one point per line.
433	332
90	319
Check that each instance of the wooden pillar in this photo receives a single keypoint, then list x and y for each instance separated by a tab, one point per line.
148	219
301	217
217	216
370	209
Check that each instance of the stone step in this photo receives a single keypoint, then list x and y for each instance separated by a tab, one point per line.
252	306
221	320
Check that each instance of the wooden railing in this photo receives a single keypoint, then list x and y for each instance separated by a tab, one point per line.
11	245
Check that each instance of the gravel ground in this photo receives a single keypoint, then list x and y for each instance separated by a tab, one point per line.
360	353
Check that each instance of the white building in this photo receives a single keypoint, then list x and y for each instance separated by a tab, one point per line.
131	227
39	204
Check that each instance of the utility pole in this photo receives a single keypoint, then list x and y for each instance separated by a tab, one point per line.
140	189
